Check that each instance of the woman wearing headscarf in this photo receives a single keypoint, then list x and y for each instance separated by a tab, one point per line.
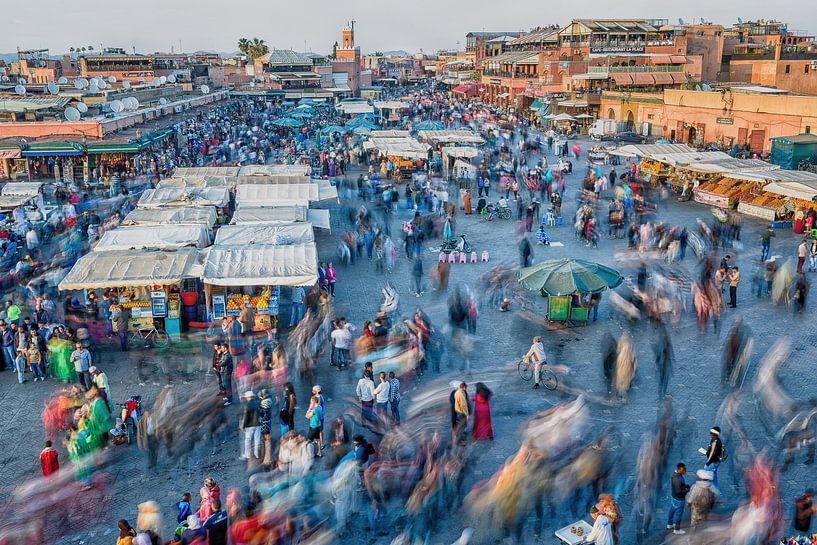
126	533
482	413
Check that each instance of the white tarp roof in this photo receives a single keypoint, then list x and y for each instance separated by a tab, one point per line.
162	237
353	108
168	197
198	181
281	214
799	190
261	195
182	172
28	189
732	165
398	147
390	105
648	150
279	179
460	151
389	133
261	265
13	201
452	137
206	215
687	158
270	233
275	170
131	268
779	175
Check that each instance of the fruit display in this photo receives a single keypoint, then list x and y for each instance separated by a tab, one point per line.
767	200
136	304
727	187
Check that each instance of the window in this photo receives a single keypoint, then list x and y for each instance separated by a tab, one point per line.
805	69
808	129
788	68
650	116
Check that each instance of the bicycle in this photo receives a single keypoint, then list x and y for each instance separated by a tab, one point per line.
546	377
150	335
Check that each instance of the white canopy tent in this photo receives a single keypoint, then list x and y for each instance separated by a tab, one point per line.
390	133
689	158
354	108
724	166
281	214
183	172
398	147
564	117
270	233
261	265
206	215
461	151
22	189
278	179
451	137
133	269
648	150
805	190
391	105
272	195
180	197
275	170
162	237
199	181
9	202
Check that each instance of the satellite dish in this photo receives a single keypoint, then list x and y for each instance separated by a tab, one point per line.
163	101
697	87
82	107
117	106
162	80
4	78
680	21
19	89
205	89
81	83
171	79
22	81
53	88
740	21
702	21
101	83
93	87
62	81
154	82
125	85
252	84
135	102
706	87
72	114
111	79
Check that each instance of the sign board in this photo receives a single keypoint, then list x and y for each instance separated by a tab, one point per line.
496	82
158	304
219	305
725	120
274	299
173	306
814	65
599	49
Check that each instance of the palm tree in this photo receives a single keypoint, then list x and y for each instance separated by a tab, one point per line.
244	45
90	48
257	48
83	49
71	50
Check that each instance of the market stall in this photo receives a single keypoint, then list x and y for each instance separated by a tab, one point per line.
443	137
252	275
272	195
273	233
161	237
405	153
199	181
275	170
205	215
247	215
148	283
777	193
183	172
259	179
184	197
455	158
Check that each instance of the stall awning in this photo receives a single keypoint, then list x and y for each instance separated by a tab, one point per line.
206	215
354	108
151	138
460	151
465	89
297	179
261	265
275	170
181	172
798	190
183	197
398	147
161	237
535	105
451	137
199	181
390	105
53	149
272	233
272	195
20	189
124	269
101	149
10	202
282	214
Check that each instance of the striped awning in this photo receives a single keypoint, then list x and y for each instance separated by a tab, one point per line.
622	78
643	78
663	78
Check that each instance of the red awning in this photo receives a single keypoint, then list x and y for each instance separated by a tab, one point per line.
463	89
679	77
643	78
661	59
662	78
621	78
678	59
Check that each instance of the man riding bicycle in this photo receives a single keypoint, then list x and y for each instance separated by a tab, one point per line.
537	352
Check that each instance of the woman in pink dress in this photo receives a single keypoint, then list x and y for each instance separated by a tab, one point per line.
209	492
482	413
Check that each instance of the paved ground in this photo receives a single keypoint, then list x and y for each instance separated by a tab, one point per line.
500	339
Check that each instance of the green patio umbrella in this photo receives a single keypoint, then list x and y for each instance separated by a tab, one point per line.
430	126
333	129
567	276
287	122
303	114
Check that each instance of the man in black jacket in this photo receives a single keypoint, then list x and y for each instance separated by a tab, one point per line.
713	453
677	500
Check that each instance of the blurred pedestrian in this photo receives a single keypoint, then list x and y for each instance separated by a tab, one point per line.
804	510
482	429
49	460
678	494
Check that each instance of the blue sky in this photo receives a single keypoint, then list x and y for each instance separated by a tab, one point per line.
156	25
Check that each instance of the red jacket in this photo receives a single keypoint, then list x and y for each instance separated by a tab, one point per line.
48	461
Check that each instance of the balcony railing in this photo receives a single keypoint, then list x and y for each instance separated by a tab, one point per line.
792	54
501	74
634	69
